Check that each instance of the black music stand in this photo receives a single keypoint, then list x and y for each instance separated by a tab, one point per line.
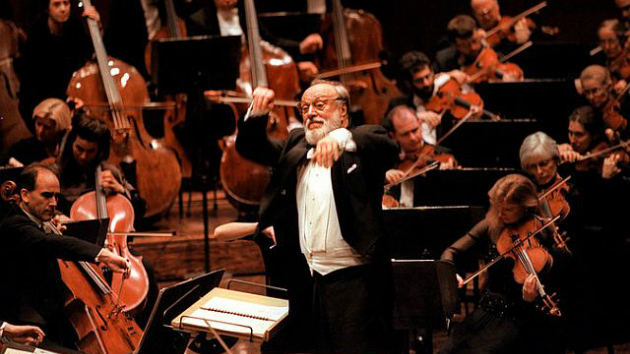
193	65
159	337
425	297
484	143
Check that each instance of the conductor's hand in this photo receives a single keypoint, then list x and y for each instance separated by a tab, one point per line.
115	263
326	151
529	288
263	101
30	335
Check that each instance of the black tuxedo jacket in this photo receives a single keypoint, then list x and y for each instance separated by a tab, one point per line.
32	288
357	178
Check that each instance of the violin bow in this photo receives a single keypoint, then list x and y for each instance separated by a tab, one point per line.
552	189
429	167
516	244
516	18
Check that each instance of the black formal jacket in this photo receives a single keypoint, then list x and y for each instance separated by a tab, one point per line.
32	288
357	178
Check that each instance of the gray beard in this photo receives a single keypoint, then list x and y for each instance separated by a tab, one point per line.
315	135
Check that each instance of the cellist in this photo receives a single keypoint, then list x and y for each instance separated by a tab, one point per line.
422	84
33	292
87	147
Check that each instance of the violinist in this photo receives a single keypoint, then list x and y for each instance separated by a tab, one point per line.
488	16
587	136
506	319
57	45
612	40
423	84
596	85
540	158
52	121
33	292
404	127
624	9
469	52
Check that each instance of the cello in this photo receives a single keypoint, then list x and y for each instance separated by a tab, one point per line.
358	39
119	88
267	66
132	290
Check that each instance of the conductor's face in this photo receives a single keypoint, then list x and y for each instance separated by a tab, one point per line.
323	111
42	201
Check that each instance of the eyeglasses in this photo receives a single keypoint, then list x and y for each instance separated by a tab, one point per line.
318	105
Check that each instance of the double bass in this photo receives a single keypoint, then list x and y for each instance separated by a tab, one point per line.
116	93
262	65
356	37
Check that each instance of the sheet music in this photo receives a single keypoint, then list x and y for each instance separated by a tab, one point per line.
239	315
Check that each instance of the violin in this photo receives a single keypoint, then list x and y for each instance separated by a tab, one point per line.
529	255
133	288
505	28
593	160
450	97
488	67
612	116
553	203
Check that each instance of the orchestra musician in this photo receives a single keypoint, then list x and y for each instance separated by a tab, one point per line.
612	40
466	47
488	16
57	46
587	135
423	83
404	127
52	121
324	201
506	319
86	147
624	9
33	292
597	87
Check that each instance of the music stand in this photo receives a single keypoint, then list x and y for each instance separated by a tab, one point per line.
93	231
193	65
158	333
425	297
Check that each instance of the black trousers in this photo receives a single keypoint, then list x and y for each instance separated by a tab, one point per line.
353	308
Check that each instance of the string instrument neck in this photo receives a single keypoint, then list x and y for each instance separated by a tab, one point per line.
259	73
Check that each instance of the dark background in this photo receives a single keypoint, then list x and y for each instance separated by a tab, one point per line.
416	24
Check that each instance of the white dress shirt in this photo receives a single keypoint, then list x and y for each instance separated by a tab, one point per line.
321	240
229	22
429	135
